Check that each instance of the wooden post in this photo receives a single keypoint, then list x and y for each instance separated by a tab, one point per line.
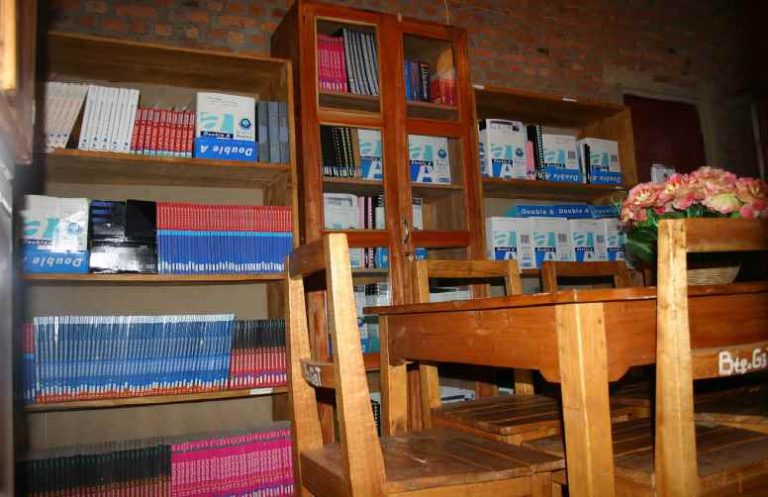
675	432
586	410
394	387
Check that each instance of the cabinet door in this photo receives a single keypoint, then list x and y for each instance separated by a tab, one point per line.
17	76
6	327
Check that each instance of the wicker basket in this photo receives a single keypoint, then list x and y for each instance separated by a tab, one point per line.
713	275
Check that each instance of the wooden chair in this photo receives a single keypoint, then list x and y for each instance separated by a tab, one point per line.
427	463
629	391
510	419
680	360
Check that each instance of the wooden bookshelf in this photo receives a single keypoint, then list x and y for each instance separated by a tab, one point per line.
153	400
82	166
348	101
149	279
166	77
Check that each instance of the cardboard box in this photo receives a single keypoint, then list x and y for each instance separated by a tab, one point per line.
430	161
599	159
584	235
369	141
615	239
503	150
55	234
561	162
231	117
340	211
510	238
551	240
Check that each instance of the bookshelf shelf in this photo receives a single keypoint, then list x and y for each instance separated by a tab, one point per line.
547	190
428	110
81	166
348	101
139	279
154	400
441	239
435	191
352	185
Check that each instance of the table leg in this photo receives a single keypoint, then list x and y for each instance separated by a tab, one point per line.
586	412
394	387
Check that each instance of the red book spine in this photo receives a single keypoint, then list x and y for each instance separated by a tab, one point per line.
177	133
154	132
135	132
143	115
341	62
165	143
189	133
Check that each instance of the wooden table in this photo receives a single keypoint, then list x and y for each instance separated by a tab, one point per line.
580	338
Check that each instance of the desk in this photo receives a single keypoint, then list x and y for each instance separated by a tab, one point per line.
582	339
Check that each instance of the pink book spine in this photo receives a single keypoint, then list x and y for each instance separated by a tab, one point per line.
341	60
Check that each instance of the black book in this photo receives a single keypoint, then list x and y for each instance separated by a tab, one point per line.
327	150
535	136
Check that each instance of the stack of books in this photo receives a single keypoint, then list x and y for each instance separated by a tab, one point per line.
69	358
250	463
218	239
122	237
351	62
258	354
165	132
63	102
108	119
272	135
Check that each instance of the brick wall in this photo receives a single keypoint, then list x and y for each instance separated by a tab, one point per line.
693	50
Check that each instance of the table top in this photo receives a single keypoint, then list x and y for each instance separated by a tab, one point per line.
571	296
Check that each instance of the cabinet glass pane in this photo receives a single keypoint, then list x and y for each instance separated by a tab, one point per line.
437	179
429	75
347	66
353	190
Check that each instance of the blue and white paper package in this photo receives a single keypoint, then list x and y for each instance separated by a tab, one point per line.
55	234
370	154
551	240
229	117
502	150
510	238
587	240
207	147
599	159
430	160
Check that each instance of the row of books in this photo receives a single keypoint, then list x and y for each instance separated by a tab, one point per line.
222	126
108	119
258	354
512	150
92	357
347	211
257	463
417	76
166	132
62	105
350	64
210	239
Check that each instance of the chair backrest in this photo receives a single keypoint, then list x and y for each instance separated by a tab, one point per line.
469	270
676	364
552	270
360	448
465	270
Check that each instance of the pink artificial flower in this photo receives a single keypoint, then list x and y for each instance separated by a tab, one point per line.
724	203
751	189
643	195
713	181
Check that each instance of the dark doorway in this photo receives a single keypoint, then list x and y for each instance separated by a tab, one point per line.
666	133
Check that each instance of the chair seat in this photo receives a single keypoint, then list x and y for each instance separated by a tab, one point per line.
730	460
435	458
512	418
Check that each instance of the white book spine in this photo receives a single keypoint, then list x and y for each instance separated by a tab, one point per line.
98	112
133	104
57	103
85	128
117	123
110	129
65	94
74	100
48	111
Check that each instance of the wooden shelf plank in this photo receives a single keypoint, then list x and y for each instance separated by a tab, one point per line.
364	238
504	103
348	101
547	190
82	166
352	185
134	278
441	239
154	399
429	110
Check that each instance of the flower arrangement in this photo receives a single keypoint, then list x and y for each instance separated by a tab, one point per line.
706	192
